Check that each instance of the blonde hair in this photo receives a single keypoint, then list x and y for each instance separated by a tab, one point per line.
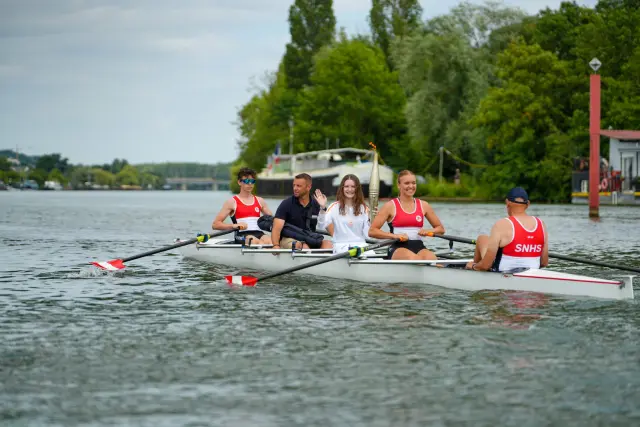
404	173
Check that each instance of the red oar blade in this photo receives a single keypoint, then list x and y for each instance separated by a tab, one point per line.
241	280
113	265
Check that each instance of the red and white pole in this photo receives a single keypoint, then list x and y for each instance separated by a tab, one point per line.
594	150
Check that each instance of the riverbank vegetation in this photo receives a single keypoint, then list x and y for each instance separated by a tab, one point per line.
506	94
119	174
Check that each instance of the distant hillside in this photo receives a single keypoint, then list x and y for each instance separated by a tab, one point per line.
187	170
24	159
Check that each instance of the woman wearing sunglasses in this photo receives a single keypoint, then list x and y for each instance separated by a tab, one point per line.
346	219
244	210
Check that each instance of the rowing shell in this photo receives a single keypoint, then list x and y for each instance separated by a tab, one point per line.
378	270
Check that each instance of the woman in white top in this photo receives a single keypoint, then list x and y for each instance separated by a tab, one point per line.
346	219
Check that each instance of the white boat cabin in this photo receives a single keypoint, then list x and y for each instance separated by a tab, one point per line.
624	156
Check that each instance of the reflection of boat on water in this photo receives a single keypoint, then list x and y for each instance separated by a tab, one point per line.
511	309
326	167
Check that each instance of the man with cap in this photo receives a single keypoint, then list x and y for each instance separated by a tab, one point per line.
518	241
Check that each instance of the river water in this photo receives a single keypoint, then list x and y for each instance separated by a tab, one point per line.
168	343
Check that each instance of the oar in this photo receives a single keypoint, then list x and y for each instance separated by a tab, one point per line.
118	264
551	254
354	252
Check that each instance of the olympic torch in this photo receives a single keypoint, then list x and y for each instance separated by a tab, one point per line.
374	184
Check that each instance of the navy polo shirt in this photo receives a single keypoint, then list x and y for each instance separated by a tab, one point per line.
292	212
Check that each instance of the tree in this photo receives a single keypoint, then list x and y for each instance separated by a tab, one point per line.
128	175
354	97
390	19
558	31
102	177
49	162
445	72
476	22
117	165
527	125
5	165
261	122
149	180
311	25
38	175
57	176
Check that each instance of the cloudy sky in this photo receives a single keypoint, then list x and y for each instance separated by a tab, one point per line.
146	80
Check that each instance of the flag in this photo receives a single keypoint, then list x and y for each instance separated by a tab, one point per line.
276	153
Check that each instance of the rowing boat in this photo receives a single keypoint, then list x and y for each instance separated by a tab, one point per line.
375	269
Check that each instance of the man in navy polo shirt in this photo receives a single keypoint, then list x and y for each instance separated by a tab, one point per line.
299	210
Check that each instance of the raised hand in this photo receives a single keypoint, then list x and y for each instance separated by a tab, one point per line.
321	198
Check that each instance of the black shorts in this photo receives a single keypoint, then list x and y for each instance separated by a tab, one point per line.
414	246
241	236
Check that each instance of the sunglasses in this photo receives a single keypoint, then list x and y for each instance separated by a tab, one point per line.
248	181
518	202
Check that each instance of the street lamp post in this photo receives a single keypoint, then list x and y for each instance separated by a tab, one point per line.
594	136
291	123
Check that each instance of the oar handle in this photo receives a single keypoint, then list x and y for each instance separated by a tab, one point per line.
177	245
350	253
453	238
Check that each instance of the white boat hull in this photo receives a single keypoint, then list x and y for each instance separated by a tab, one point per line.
377	270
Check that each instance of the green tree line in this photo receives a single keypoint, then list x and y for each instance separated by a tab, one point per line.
506	94
55	167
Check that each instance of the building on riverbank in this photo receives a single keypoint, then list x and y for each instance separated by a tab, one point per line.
619	174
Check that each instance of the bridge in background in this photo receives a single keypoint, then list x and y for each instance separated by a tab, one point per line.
211	184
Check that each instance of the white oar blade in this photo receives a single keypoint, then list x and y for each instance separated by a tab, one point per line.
241	280
113	265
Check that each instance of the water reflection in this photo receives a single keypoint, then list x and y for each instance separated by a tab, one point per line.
510	309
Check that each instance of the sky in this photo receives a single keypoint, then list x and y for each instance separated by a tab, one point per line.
147	80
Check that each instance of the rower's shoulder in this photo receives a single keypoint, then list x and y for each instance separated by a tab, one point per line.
502	223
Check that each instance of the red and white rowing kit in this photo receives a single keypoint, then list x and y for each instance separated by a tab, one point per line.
525	248
408	223
248	214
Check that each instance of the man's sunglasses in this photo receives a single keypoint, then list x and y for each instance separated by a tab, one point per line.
248	181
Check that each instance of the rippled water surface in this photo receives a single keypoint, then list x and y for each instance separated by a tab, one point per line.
168	343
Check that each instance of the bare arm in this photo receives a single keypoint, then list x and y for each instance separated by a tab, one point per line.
492	248
433	219
383	216
265	208
276	229
544	259
218	222
330	229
